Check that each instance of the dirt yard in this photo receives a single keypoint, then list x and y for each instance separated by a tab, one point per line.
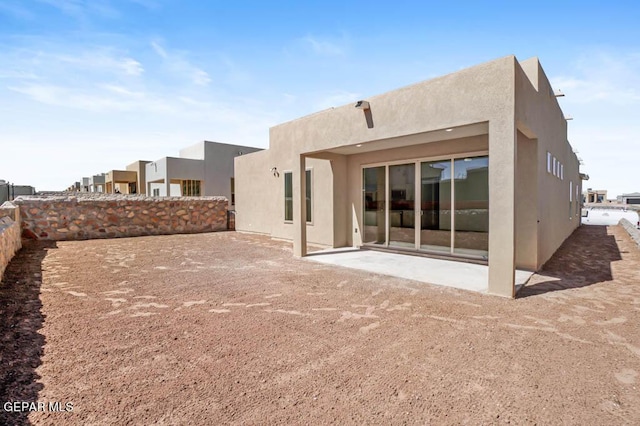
228	328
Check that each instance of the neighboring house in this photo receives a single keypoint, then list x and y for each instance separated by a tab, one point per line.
96	183
73	188
85	185
121	181
9	191
139	167
632	198
205	168
596	196
475	164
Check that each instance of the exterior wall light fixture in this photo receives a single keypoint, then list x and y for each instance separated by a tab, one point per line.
362	105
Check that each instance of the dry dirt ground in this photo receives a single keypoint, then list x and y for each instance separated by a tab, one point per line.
228	328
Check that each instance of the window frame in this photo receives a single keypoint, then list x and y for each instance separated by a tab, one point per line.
309	192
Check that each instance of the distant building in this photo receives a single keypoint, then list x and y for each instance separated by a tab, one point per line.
591	196
9	191
206	168
97	183
633	198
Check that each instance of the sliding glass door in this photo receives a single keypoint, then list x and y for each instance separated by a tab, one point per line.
374	201
435	219
471	214
452	216
402	189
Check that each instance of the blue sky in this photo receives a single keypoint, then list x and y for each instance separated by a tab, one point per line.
87	86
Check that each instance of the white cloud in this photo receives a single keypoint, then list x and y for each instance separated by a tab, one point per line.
602	90
325	47
103	98
67	62
131	66
603	76
159	50
122	91
200	77
179	65
84	9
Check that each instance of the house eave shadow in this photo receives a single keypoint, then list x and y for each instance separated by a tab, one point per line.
584	259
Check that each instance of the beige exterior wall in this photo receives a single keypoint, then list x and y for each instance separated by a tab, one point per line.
540	118
492	108
141	181
120	179
211	163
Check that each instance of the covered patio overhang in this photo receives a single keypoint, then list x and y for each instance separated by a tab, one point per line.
501	141
114	178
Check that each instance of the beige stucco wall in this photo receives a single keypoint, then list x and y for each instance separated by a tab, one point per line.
260	197
120	179
526	203
139	167
538	116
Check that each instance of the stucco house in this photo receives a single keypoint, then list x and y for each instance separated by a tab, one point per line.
121	181
631	198
97	183
472	165
205	168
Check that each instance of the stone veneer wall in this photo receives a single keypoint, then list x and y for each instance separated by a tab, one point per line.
77	216
10	241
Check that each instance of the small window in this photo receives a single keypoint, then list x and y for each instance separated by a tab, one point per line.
156	192
562	171
190	188
555	166
548	162
570	199
577	203
570	191
308	195
233	191
288	196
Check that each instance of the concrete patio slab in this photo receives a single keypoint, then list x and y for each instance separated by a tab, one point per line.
449	273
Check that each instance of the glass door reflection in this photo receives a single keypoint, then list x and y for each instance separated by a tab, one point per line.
402	188
435	206
374	202
471	214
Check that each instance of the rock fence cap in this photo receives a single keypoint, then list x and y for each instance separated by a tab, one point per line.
93	196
